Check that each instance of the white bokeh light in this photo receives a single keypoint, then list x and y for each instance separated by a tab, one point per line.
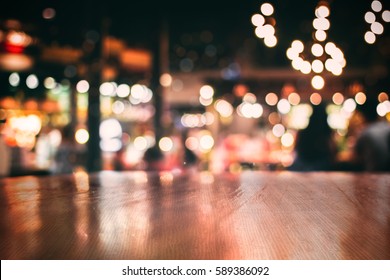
257	20
317	82
82	86
267	9
206	92
82	136
369	17
386	16
123	90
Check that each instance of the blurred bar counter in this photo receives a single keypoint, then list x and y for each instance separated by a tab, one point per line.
196	215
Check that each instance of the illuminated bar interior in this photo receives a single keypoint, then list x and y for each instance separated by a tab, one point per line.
232	103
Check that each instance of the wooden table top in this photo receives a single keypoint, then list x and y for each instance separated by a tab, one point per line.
250	215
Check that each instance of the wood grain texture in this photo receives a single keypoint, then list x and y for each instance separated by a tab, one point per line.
250	215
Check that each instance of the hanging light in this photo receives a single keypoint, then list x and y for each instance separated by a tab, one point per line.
265	25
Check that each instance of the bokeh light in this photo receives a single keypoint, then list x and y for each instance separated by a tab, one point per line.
386	16
192	143
349	105
338	98
107	89
322	11
48	13
140	143
317	82
81	136
224	108
110	128
287	140
49	83
383	96
360	98
267	9
206	92
376	6
82	86
257	20
278	130
14	79
123	90
370	37
166	80
294	98
369	17
206	142
32	81
284	106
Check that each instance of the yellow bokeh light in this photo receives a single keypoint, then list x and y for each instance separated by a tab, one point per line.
338	98
206	92
284	106
377	28
270	41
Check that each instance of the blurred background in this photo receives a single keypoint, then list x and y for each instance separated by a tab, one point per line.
219	85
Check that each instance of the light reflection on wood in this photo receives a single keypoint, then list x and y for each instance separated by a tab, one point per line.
250	215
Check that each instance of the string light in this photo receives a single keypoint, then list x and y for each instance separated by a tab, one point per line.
265	25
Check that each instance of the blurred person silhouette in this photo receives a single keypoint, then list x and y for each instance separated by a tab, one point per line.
315	149
372	148
5	153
